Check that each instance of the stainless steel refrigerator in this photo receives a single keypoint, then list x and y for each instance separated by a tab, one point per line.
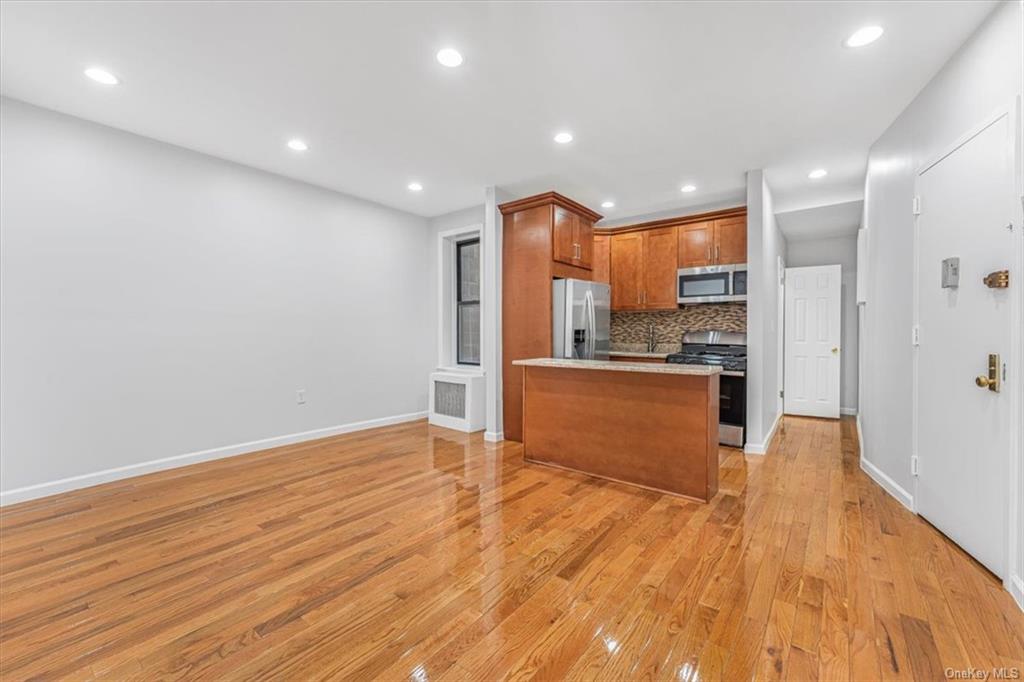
581	312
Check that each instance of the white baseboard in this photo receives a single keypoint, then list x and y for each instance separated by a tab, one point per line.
849	411
38	490
890	486
762	447
494	437
1015	586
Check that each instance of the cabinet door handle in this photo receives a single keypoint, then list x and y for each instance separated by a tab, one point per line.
709	253
718	252
638	298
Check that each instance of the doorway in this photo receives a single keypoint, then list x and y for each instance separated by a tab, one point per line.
812	341
964	374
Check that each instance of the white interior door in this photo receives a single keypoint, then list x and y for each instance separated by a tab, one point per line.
964	430
812	340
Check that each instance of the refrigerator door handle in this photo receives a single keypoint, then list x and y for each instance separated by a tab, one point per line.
587	331
571	328
567	329
576	355
592	326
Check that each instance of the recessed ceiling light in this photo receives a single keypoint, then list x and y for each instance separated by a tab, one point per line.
415	187
607	204
817	174
688	188
564	137
297	145
449	57
864	36
102	76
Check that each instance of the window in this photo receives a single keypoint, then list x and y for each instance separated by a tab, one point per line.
467	301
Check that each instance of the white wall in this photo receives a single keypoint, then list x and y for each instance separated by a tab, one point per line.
765	244
157	302
836	251
983	76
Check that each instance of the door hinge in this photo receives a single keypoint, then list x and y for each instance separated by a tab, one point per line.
915	335
782	393
913	465
917	205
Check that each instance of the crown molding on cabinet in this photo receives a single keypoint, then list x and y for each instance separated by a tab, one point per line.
545	199
671	222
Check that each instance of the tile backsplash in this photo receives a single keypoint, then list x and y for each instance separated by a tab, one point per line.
629	329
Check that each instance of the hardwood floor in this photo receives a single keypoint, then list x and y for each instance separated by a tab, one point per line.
421	553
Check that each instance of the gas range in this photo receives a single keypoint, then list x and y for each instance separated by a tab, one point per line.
725	349
729	351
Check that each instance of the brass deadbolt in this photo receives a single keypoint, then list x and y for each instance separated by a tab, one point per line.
1000	279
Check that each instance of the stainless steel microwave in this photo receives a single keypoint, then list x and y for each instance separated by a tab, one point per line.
712	284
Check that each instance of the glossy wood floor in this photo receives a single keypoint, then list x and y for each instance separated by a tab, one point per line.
416	552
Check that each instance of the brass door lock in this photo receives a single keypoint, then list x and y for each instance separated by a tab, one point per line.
1000	279
991	382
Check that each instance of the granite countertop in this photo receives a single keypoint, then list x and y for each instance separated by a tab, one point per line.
615	366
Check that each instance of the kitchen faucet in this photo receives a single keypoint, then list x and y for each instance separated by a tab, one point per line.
650	338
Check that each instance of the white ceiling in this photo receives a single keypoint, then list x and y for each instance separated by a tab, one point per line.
831	220
657	94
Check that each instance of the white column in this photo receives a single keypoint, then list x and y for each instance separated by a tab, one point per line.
491	311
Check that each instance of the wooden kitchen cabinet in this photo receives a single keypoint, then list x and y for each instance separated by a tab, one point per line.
731	240
643	270
660	269
601	259
544	237
584	232
572	238
695	244
626	271
713	242
563	239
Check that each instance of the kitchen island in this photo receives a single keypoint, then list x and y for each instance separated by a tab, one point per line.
645	424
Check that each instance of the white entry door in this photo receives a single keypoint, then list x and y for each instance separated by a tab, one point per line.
963	429
812	341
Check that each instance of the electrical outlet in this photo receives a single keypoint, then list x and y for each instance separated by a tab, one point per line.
300	396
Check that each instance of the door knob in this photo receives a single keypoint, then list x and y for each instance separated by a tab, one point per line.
991	382
835	350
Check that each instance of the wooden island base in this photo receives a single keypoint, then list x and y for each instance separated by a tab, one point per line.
646	425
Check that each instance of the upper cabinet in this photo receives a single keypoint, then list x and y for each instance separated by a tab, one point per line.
572	238
585	238
722	241
601	259
660	269
627	271
643	270
731	240
696	244
641	262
